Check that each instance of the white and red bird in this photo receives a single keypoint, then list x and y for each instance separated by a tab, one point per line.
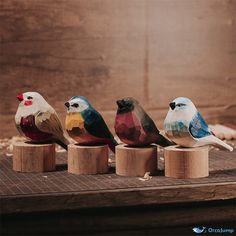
38	121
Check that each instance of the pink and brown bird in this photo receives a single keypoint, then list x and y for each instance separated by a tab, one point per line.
38	121
135	127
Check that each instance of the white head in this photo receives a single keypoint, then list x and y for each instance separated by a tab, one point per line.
31	103
182	107
30	99
77	104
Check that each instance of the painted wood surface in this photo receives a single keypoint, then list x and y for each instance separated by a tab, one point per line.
153	50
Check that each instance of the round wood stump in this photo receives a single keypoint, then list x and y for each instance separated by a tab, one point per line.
136	161
29	157
87	160
185	163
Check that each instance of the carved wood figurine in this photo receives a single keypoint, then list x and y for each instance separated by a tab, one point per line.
186	127
85	125
38	121
135	127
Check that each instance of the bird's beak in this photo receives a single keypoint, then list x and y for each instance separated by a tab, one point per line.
120	103
67	104
172	105
20	97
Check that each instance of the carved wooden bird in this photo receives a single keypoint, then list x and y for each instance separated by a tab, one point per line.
85	125
135	127
186	127
38	121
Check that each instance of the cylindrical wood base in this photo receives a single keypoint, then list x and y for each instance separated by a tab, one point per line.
87	160
184	163
29	157
136	161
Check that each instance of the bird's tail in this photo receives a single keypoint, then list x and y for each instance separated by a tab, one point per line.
164	142
62	144
214	140
112	144
64	141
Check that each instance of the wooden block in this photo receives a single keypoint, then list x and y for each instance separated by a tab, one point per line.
184	163
29	157
87	159
136	161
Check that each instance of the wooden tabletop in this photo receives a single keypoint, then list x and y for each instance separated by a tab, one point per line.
59	190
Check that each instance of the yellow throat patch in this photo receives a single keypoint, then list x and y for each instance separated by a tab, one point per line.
74	120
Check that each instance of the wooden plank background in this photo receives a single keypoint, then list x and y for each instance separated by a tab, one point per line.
154	50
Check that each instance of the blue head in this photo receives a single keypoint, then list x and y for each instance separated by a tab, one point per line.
77	104
182	107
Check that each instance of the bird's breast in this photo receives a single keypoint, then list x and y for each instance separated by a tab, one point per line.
126	121
129	129
177	129
81	136
74	120
30	130
75	127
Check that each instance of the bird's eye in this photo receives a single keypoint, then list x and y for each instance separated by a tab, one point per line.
180	104
75	105
29	98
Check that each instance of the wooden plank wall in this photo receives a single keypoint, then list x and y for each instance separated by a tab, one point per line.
154	50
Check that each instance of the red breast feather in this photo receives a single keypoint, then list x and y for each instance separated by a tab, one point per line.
31	131
128	128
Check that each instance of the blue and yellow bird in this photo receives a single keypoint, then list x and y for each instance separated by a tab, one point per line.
85	125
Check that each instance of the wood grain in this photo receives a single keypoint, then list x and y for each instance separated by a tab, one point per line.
118	198
136	161
87	159
154	50
34	157
186	163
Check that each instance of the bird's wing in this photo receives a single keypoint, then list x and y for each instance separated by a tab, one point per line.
146	121
198	128
49	122
149	125
95	125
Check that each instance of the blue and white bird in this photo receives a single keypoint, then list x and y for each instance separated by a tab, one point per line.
186	127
